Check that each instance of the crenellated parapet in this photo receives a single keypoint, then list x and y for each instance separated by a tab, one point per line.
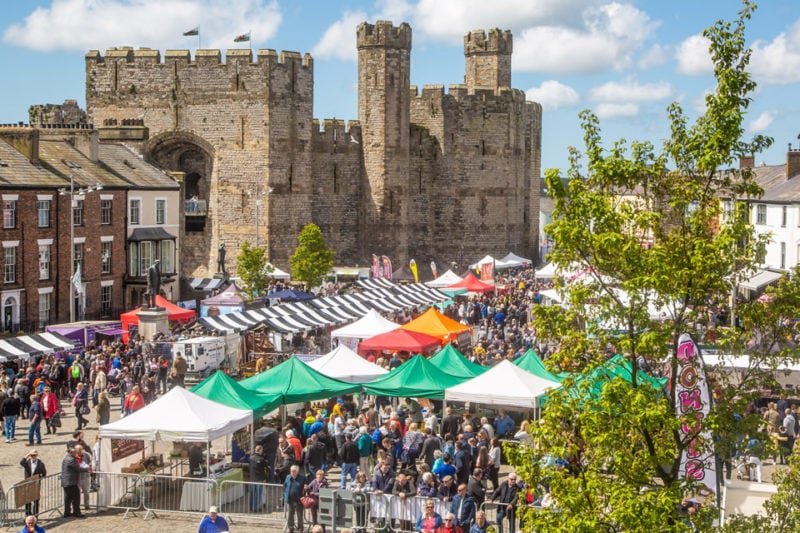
336	136
496	41
383	34
488	59
203	57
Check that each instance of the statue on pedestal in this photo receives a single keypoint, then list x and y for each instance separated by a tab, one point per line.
153	283
221	259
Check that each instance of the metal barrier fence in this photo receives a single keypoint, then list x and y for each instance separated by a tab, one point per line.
260	501
34	495
168	494
119	491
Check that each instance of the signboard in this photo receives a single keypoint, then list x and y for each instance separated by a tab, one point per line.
121	448
27	491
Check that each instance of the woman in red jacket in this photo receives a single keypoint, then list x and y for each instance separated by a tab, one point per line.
133	401
50	409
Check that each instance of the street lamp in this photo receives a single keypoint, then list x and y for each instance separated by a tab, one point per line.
259	194
72	193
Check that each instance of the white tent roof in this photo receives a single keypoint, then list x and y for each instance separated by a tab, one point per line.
179	415
346	365
367	326
513	260
546	272
505	384
277	273
498	263
445	280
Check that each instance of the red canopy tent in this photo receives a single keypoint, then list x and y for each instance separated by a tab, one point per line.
472	284
400	340
174	314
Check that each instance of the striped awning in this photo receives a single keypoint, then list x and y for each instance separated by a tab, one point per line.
206	284
374	283
26	345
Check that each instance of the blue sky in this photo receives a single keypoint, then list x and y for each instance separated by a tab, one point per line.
624	59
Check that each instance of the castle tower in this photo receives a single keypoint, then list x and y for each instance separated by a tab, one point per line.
488	59
384	53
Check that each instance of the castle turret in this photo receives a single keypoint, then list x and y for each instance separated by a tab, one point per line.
488	59
384	53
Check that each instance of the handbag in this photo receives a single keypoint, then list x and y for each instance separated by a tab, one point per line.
309	501
55	421
85	409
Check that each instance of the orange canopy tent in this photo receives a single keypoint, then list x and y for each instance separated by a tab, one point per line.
472	284
432	322
174	314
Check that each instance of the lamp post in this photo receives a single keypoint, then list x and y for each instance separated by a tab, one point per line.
72	193
259	194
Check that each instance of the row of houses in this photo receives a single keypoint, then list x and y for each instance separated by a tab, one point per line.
82	222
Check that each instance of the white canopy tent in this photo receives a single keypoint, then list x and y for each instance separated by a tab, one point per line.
513	260
346	365
365	327
546	272
505	385
276	273
445	280
498	263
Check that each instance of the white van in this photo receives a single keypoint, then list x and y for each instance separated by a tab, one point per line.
203	355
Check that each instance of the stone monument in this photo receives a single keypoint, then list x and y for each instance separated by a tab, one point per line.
153	319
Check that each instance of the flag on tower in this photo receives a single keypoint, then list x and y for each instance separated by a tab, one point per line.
193	32
243	38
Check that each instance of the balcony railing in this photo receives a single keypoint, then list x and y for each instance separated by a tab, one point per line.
195	208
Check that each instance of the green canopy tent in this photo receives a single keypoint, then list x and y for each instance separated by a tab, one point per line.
295	381
416	378
221	388
453	362
530	362
616	367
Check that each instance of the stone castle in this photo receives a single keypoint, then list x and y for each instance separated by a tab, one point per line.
430	175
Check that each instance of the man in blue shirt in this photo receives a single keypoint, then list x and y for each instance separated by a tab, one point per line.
445	469
463	507
212	522
504	425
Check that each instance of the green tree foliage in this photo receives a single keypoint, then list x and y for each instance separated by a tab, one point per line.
252	266
646	230
781	511
312	259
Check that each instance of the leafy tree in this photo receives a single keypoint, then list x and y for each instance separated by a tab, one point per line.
312	259
252	266
646	230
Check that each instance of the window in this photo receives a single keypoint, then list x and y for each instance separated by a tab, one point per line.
44	261
10	264
783	216
783	255
77	213
167	254
135	214
78	263
727	211
133	267
105	212
44	309
161	211
105	257
145	256
9	214
761	214
43	213
105	300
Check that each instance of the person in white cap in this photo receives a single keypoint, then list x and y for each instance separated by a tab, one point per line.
213	522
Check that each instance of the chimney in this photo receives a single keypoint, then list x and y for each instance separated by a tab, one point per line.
792	163
747	161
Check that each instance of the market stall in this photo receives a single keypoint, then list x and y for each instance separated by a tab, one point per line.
436	324
400	340
530	362
365	327
416	378
473	284
175	314
453	362
504	385
228	301
221	388
445	280
295	381
346	365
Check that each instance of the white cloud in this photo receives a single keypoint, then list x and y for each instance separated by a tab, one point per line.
631	91
339	40
693	57
762	121
92	24
607	110
607	40
778	62
654	56
553	95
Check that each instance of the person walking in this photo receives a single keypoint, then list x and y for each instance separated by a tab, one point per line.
79	400
258	476
35	417
85	478
71	469
506	497
33	467
179	367
293	487
11	409
50	410
350	459
103	410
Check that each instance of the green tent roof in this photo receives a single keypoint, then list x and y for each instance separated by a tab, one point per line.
530	362
453	362
616	367
295	381
417	378
221	388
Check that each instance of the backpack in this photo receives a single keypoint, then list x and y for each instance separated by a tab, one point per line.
56	373
76	371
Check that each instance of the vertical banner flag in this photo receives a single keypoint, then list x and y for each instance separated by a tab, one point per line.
412	265
76	281
376	267
487	271
387	267
433	269
693	403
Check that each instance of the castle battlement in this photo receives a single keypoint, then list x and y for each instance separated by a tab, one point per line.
203	57
383	34
20	126
495	42
336	131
